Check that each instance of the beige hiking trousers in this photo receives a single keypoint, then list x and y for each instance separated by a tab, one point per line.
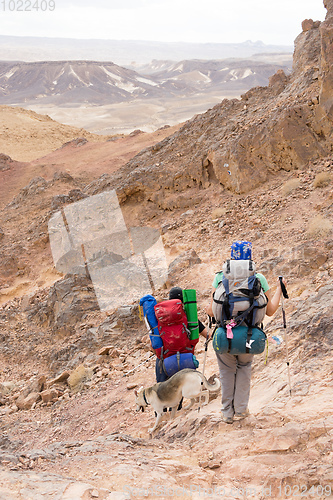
235	376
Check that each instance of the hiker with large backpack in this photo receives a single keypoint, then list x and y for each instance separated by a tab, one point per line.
241	298
174	330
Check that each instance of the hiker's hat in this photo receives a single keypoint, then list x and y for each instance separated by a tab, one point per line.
241	250
176	293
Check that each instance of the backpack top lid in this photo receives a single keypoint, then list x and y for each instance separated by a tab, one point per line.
241	250
238	269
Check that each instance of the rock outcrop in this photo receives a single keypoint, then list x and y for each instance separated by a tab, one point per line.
326	94
68	300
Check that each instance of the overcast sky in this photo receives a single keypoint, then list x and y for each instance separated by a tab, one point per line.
271	21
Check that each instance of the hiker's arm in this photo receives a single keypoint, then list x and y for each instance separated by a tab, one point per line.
209	309
202	329
203	333
273	300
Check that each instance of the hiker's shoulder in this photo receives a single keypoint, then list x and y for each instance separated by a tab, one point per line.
263	281
217	278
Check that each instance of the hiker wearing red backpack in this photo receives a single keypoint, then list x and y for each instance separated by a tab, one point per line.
240	299
185	347
174	331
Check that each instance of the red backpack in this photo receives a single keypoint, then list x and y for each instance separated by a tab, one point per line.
172	327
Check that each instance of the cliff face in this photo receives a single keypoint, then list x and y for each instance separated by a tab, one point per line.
325	113
298	124
239	144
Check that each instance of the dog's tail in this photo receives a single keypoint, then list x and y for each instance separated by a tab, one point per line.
211	387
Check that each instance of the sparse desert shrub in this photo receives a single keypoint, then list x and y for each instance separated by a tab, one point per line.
322	179
319	227
290	186
218	212
78	377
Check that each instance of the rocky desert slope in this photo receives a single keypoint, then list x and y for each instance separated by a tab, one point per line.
258	168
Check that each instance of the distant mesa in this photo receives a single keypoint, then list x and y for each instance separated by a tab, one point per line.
73	83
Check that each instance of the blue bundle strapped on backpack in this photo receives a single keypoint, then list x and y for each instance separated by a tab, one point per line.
241	250
148	303
178	362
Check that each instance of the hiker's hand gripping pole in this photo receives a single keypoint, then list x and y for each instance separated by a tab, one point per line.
283	288
285	295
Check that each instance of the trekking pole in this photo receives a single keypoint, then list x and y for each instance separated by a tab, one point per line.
285	296
206	344
143	362
205	356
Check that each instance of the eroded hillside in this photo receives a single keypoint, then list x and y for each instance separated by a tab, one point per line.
71	83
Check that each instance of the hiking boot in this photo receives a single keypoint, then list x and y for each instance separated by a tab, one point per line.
240	416
227	420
